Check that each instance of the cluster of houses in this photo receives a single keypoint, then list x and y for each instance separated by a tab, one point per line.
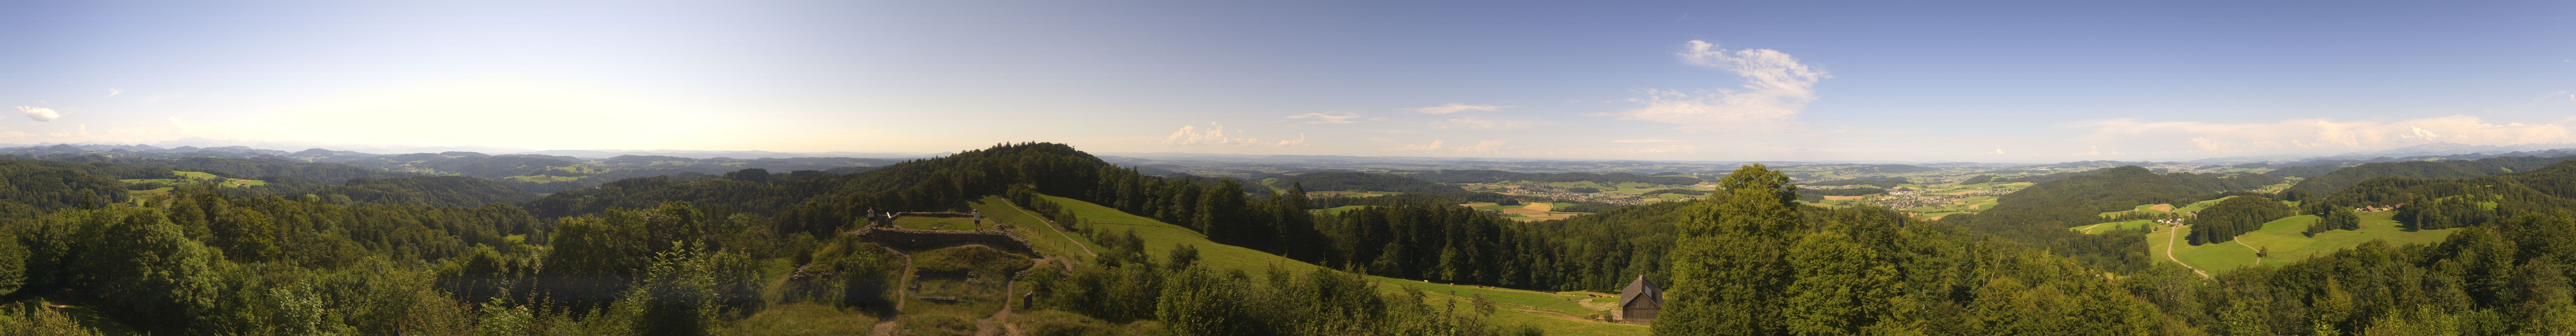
2379	208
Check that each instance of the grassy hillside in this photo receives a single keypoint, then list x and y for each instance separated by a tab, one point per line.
2283	239
2107	227
1557	313
2159	209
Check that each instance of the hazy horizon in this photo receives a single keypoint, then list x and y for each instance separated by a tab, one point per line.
1668	82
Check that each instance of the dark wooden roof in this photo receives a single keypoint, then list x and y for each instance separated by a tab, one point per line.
1641	294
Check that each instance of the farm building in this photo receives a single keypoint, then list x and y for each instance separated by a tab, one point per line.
1639	301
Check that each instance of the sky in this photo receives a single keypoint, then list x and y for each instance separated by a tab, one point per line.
1703	81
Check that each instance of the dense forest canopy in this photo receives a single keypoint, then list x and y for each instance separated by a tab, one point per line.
2235	216
377	252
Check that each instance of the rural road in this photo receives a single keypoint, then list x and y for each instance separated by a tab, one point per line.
2169	255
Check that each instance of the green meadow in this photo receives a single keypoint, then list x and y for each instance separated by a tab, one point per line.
2281	238
1556	312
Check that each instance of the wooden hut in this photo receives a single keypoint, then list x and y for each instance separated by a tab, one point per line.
1639	301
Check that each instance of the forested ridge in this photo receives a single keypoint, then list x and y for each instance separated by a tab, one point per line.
1491	176
683	254
2334	182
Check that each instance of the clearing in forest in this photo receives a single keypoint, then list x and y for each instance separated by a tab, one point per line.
2284	241
1522	307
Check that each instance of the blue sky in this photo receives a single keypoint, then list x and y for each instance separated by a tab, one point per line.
1994	82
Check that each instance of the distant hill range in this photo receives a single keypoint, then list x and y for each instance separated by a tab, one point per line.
540	172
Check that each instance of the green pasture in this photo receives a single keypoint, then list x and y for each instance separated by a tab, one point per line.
2286	244
1161	237
1046	239
2108	227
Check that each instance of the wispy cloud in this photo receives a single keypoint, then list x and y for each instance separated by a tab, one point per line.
1644	141
1483	147
1216	135
1327	117
2311	135
40	113
1480	123
1434	145
114	92
1301	141
1455	108
1776	88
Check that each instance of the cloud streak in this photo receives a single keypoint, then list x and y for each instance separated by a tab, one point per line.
1776	88
1327	117
1480	123
1483	147
1455	108
2310	135
1216	135
40	113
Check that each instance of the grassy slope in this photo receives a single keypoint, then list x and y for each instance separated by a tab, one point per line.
2107	227
1045	239
2286	244
1161	237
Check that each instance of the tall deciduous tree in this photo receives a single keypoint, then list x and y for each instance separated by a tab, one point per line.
1727	268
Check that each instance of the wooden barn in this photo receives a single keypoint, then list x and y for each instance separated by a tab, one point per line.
1639	302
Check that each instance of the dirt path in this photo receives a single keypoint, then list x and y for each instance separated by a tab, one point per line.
1050	225
999	323
886	327
2169	255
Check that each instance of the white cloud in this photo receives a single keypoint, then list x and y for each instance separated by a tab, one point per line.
1480	123
2313	135
1216	135
1643	141
1776	88
1435	145
1999	149
40	113
1483	147
1301	141
1327	117
114	92
1454	108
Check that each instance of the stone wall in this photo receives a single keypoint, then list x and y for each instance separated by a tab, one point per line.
910	240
